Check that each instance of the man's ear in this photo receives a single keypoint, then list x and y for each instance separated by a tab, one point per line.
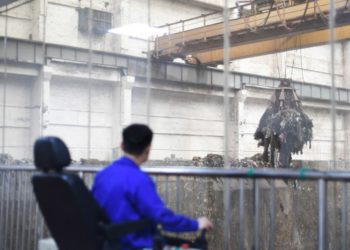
122	146
148	149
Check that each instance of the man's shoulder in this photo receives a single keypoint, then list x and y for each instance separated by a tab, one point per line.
122	166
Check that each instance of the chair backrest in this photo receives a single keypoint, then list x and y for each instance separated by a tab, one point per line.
70	211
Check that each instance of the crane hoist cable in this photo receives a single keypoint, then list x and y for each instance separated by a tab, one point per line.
268	14
256	26
324	18
305	10
282	19
302	19
301	61
247	21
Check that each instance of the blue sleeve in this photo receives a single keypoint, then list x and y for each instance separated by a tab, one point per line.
151	206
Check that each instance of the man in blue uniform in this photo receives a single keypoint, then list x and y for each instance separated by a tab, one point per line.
126	193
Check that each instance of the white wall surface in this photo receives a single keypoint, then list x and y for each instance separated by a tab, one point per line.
17	116
62	17
19	22
69	117
185	124
305	65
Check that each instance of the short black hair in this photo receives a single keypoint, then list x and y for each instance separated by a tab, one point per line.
136	137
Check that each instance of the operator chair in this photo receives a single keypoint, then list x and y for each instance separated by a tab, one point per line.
71	213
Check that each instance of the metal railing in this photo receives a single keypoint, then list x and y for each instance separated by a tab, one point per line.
256	219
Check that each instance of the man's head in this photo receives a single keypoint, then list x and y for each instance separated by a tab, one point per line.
137	140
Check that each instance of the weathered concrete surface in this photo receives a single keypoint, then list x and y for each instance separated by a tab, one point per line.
296	218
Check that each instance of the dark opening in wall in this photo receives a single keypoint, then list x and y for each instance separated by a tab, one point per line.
101	21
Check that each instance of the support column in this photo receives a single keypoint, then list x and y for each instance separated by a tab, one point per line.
117	120
126	92
347	139
346	64
39	19
40	104
239	120
232	136
122	111
124	18
346	70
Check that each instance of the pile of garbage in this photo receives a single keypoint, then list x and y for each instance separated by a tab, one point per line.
217	161
6	159
94	162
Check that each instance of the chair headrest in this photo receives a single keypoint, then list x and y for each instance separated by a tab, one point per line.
50	153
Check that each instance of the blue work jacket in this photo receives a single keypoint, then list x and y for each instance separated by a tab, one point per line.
126	193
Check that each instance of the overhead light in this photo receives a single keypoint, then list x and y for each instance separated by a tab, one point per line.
142	31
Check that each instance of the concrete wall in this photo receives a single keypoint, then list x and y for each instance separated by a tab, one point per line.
69	116
19	22
185	124
16	119
57	21
65	30
304	65
188	120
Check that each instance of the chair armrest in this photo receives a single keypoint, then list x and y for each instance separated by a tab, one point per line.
201	242
113	231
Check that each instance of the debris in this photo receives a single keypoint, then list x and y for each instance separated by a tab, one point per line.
7	159
93	162
217	161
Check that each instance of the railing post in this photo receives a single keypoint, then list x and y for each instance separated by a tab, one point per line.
2	205
321	214
227	214
241	215
272	215
177	194
166	186
256	190
344	216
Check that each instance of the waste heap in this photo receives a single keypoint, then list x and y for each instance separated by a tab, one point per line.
217	161
284	128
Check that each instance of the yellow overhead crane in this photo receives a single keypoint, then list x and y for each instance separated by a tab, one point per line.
255	29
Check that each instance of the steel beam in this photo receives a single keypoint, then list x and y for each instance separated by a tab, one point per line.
293	41
251	30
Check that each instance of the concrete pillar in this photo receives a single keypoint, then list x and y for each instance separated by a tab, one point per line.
40	103
117	120
39	19
239	117
122	111
46	79
346	70
124	19
126	92
233	139
346	64
347	138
